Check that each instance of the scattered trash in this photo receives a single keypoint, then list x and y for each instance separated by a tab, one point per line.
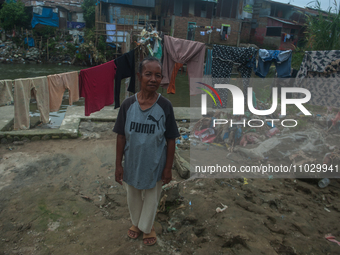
323	183
245	181
331	238
270	177
272	132
218	209
249	138
206	135
270	124
326	209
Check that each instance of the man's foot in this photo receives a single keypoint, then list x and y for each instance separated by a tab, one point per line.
150	239
134	232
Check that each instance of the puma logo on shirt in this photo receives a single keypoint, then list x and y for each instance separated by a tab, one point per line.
150	117
142	128
145	128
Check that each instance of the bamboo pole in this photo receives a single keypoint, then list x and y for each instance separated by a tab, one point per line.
47	50
124	39
28	46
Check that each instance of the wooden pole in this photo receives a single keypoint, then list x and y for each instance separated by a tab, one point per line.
116	35
47	51
124	39
28	46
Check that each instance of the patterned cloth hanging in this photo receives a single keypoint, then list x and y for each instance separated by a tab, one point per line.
224	58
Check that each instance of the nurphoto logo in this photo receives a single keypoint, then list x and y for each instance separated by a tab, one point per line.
238	104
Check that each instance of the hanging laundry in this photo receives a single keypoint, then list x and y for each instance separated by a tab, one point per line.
96	86
157	49
159	53
111	33
58	83
172	88
223	61
23	89
281	59
218	30
6	95
185	52
314	74
125	68
208	62
202	32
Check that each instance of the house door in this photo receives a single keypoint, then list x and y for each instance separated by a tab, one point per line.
191	31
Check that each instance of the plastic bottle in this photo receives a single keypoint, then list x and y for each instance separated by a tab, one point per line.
323	183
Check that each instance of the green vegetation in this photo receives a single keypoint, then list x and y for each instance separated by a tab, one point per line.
322	33
89	12
13	14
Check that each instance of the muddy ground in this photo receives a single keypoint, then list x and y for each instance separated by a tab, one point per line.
60	197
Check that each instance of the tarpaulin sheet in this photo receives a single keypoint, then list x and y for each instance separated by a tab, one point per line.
30	41
48	18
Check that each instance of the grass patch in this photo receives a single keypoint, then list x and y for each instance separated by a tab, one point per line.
46	216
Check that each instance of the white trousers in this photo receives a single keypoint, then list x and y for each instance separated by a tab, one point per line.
143	205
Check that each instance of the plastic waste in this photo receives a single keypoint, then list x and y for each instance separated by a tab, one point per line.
323	183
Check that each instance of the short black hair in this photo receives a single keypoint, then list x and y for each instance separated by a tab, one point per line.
149	59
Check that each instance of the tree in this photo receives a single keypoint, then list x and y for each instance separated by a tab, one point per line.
13	14
89	12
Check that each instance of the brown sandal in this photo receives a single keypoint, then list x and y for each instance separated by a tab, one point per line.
151	235
136	230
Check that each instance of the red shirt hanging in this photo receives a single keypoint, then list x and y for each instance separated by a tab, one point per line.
96	86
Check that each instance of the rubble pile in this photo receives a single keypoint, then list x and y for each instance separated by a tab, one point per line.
10	53
308	143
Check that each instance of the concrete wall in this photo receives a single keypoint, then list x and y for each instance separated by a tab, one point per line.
125	12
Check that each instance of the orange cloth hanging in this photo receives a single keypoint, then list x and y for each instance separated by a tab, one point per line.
172	88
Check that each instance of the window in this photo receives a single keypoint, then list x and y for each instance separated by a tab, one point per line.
273	31
204	10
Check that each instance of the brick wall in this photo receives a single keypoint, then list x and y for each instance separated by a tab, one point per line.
165	25
181	27
260	31
245	32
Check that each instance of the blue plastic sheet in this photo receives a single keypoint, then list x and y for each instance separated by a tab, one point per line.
30	41
48	18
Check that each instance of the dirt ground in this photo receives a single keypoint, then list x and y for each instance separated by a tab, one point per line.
60	197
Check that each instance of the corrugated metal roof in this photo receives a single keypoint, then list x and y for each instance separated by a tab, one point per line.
283	21
140	3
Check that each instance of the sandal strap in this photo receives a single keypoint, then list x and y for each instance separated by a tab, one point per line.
134	229
150	235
